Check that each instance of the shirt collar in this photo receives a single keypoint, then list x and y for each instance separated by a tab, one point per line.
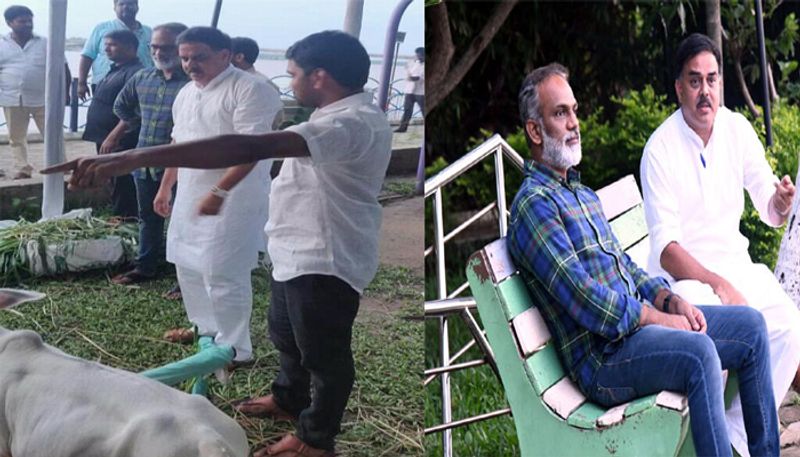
217	79
135	61
177	75
548	177
138	25
361	98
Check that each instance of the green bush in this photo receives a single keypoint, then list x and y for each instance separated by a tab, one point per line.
612	149
782	157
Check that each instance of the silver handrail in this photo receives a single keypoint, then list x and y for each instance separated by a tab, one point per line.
446	305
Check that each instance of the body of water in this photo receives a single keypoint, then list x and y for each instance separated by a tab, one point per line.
273	65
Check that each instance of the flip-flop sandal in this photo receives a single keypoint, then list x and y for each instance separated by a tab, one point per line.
174	293
131	277
180	335
260	410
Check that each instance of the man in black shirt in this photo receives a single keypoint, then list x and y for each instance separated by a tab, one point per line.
120	47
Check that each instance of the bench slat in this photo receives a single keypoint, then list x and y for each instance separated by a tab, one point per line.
630	227
531	331
514	296
544	368
613	416
500	262
564	398
672	400
619	196
586	416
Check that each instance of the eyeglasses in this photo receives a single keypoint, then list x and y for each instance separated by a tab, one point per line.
165	48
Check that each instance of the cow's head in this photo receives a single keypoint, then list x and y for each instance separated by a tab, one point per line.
13	297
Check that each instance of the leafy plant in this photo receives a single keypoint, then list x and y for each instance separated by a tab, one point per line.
14	262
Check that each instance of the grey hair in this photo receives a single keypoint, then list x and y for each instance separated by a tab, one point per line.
174	28
529	92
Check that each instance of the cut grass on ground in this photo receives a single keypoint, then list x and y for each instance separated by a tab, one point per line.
85	315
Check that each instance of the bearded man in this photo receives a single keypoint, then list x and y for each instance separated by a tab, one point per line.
621	333
694	169
146	101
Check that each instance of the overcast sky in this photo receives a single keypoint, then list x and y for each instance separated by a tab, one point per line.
275	24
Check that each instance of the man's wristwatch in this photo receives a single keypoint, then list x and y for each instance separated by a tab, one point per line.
219	192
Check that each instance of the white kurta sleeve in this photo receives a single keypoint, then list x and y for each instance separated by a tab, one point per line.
757	174
256	107
660	201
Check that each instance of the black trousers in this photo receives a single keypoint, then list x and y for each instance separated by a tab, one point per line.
408	107
123	194
310	323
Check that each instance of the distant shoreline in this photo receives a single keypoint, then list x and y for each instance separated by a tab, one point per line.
75	44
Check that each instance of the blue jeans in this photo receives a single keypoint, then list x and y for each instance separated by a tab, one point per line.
151	227
658	358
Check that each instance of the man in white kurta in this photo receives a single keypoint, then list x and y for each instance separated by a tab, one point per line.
217	217
694	170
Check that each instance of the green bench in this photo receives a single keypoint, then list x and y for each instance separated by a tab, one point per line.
551	415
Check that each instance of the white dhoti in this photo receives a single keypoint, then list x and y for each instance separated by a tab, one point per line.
761	290
220	305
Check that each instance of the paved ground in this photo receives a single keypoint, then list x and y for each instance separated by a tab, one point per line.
75	147
790	425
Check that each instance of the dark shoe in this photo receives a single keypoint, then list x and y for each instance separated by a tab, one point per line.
237	364
401	129
132	277
174	293
22	175
264	407
292	446
180	335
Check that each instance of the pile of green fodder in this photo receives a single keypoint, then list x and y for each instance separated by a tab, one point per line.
14	240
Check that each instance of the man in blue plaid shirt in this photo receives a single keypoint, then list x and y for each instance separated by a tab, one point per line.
146	100
620	333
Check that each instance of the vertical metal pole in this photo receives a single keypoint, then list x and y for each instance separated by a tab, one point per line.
762	54
447	438
73	106
500	178
352	17
215	17
53	185
388	52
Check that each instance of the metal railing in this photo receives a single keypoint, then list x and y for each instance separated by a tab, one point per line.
394	111
448	304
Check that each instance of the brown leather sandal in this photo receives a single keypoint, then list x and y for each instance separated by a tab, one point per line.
180	335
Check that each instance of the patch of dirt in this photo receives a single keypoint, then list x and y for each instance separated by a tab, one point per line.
402	233
401	244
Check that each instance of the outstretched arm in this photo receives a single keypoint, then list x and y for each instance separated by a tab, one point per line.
219	152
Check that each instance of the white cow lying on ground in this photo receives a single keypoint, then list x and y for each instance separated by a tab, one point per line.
56	405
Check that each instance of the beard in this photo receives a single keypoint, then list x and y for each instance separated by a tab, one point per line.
166	64
558	154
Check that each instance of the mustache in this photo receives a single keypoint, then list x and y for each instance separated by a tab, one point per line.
573	136
704	101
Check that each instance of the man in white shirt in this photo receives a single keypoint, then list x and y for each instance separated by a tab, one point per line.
414	88
22	76
694	170
92	55
217	217
323	229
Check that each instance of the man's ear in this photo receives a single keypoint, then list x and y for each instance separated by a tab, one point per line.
13	297
318	78
679	91
534	131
